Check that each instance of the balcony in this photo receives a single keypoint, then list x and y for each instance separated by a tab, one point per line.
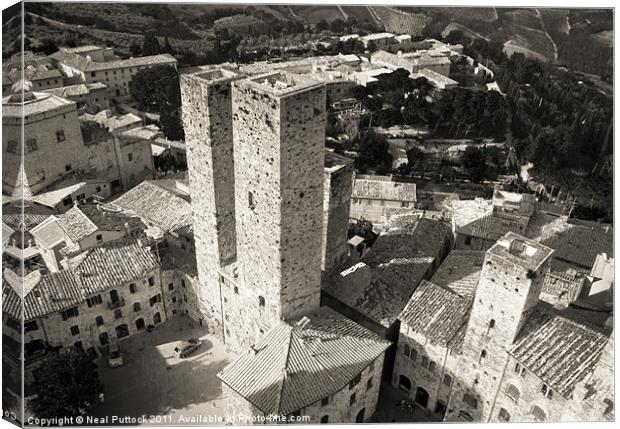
116	304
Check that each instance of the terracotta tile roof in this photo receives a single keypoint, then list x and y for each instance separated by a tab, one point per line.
76	224
93	271
383	188
11	302
52	198
18	222
580	245
39	102
157	205
560	351
459	272
400	258
108	266
151	60
436	313
297	365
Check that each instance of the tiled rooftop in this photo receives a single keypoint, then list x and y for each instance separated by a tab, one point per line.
579	244
36	102
459	272
76	224
157	205
436	313
381	286
560	351
295	365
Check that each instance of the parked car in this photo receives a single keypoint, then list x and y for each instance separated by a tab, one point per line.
115	358
188	347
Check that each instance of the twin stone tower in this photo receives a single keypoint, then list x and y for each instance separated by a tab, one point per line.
256	157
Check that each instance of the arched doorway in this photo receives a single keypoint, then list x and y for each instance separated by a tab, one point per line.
440	408
421	397
404	384
122	331
360	416
140	324
103	338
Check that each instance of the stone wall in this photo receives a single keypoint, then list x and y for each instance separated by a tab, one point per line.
207	120
279	158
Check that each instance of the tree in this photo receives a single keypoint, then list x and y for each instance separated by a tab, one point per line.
374	153
157	89
415	156
337	25
150	46
66	386
474	161
135	49
322	25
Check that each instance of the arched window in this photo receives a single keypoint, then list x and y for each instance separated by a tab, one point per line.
492	324
470	400
261	301
407	350
538	414
424	362
431	366
60	136
414	354
503	416
404	383
513	393
483	356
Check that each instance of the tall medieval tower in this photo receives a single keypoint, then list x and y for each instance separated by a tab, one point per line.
279	132
508	290
207	120
256	158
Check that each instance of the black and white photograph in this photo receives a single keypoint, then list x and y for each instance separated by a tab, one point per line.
268	213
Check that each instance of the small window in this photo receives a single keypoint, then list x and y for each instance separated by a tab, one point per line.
171	286
325	401
468	240
261	301
31	145
431	366
132	288
538	413
404	204
68	167
251	202
75	330
174	299
151	281
136	307
130	157
503	416
325	419
182	283
99	320
447	379
94	300
99	238
483	356
118	313
492	324
470	400
355	381
424	362
70	312
93	74
236	289
31	326
11	146
352	399
369	384
60	136
407	350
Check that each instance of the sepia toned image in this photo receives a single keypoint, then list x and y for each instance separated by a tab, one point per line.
234	214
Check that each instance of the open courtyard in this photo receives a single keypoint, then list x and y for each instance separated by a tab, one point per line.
160	388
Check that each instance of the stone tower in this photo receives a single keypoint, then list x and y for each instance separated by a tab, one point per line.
279	132
508	290
207	120
337	188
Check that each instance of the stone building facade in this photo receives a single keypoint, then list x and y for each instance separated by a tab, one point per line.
53	144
